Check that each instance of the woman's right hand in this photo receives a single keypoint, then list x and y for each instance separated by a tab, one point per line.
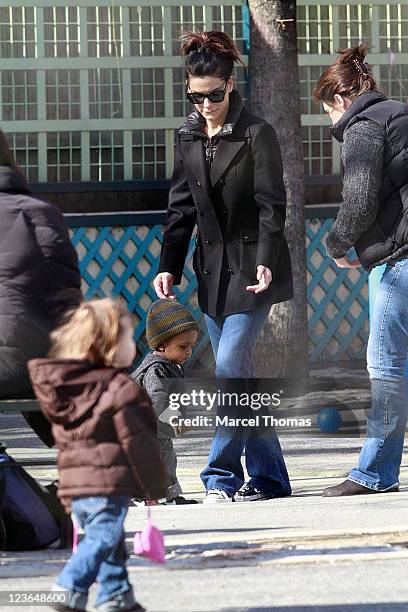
346	262
163	285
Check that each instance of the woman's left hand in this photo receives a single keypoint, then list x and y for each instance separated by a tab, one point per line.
264	276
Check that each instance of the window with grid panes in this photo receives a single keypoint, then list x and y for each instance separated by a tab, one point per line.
64	156
308	76
315	29
318	155
149	154
25	148
61	31
17	32
229	19
106	155
19	95
240	74
104	31
105	93
181	106
149	88
393	24
354	25
146	30
185	18
147	92
62	94
394	81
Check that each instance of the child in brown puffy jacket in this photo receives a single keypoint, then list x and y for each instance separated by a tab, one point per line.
108	452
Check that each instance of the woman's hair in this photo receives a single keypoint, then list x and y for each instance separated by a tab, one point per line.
6	156
349	76
209	54
91	331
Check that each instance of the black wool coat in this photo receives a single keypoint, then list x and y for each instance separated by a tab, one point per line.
39	279
239	208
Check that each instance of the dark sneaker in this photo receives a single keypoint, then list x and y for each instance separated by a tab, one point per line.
124	602
249	493
109	606
179	501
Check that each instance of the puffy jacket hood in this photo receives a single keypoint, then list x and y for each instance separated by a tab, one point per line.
68	389
358	105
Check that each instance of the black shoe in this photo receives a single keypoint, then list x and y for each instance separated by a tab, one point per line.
179	501
249	493
63	608
135	608
349	487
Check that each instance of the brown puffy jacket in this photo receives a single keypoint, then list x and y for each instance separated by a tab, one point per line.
105	429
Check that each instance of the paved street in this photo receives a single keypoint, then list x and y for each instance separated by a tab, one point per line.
300	553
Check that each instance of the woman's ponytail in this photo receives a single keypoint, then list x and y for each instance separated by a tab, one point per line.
209	54
349	76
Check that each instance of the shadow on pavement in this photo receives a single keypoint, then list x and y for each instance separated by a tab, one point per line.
169	532
369	607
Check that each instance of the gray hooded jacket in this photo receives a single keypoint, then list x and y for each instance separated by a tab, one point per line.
151	375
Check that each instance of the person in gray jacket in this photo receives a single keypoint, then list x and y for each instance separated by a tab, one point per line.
373	219
171	332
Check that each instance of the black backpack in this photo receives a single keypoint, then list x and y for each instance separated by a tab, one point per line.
31	516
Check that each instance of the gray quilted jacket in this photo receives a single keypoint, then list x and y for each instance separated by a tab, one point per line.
151	375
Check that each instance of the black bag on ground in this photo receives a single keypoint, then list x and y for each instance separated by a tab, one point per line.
31	516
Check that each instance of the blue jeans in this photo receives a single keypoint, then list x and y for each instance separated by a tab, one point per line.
233	338
381	455
101	554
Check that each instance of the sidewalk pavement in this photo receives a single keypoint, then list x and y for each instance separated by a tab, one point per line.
300	553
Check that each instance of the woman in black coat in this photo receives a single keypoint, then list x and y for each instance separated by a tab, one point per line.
39	280
228	181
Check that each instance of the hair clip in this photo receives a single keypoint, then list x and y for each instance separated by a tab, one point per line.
362	68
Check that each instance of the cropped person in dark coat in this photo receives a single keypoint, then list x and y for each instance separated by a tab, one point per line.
372	219
228	181
39	280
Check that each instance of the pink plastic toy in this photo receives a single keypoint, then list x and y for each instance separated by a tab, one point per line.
74	537
149	543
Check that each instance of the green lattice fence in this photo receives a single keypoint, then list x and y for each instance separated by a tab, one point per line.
119	257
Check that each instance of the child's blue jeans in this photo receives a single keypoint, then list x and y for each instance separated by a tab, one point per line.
101	554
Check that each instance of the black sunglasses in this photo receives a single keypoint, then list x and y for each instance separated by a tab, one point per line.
217	95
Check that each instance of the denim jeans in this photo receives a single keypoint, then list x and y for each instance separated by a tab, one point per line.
101	554
381	455
233	338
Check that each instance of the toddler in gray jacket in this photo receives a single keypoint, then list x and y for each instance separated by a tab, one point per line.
171	331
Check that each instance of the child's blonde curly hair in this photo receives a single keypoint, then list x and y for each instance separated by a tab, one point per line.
91	331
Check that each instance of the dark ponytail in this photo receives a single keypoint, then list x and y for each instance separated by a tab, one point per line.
349	76
209	54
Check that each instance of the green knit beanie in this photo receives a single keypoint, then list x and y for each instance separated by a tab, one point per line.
165	319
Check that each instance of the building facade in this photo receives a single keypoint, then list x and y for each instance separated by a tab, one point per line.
91	92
